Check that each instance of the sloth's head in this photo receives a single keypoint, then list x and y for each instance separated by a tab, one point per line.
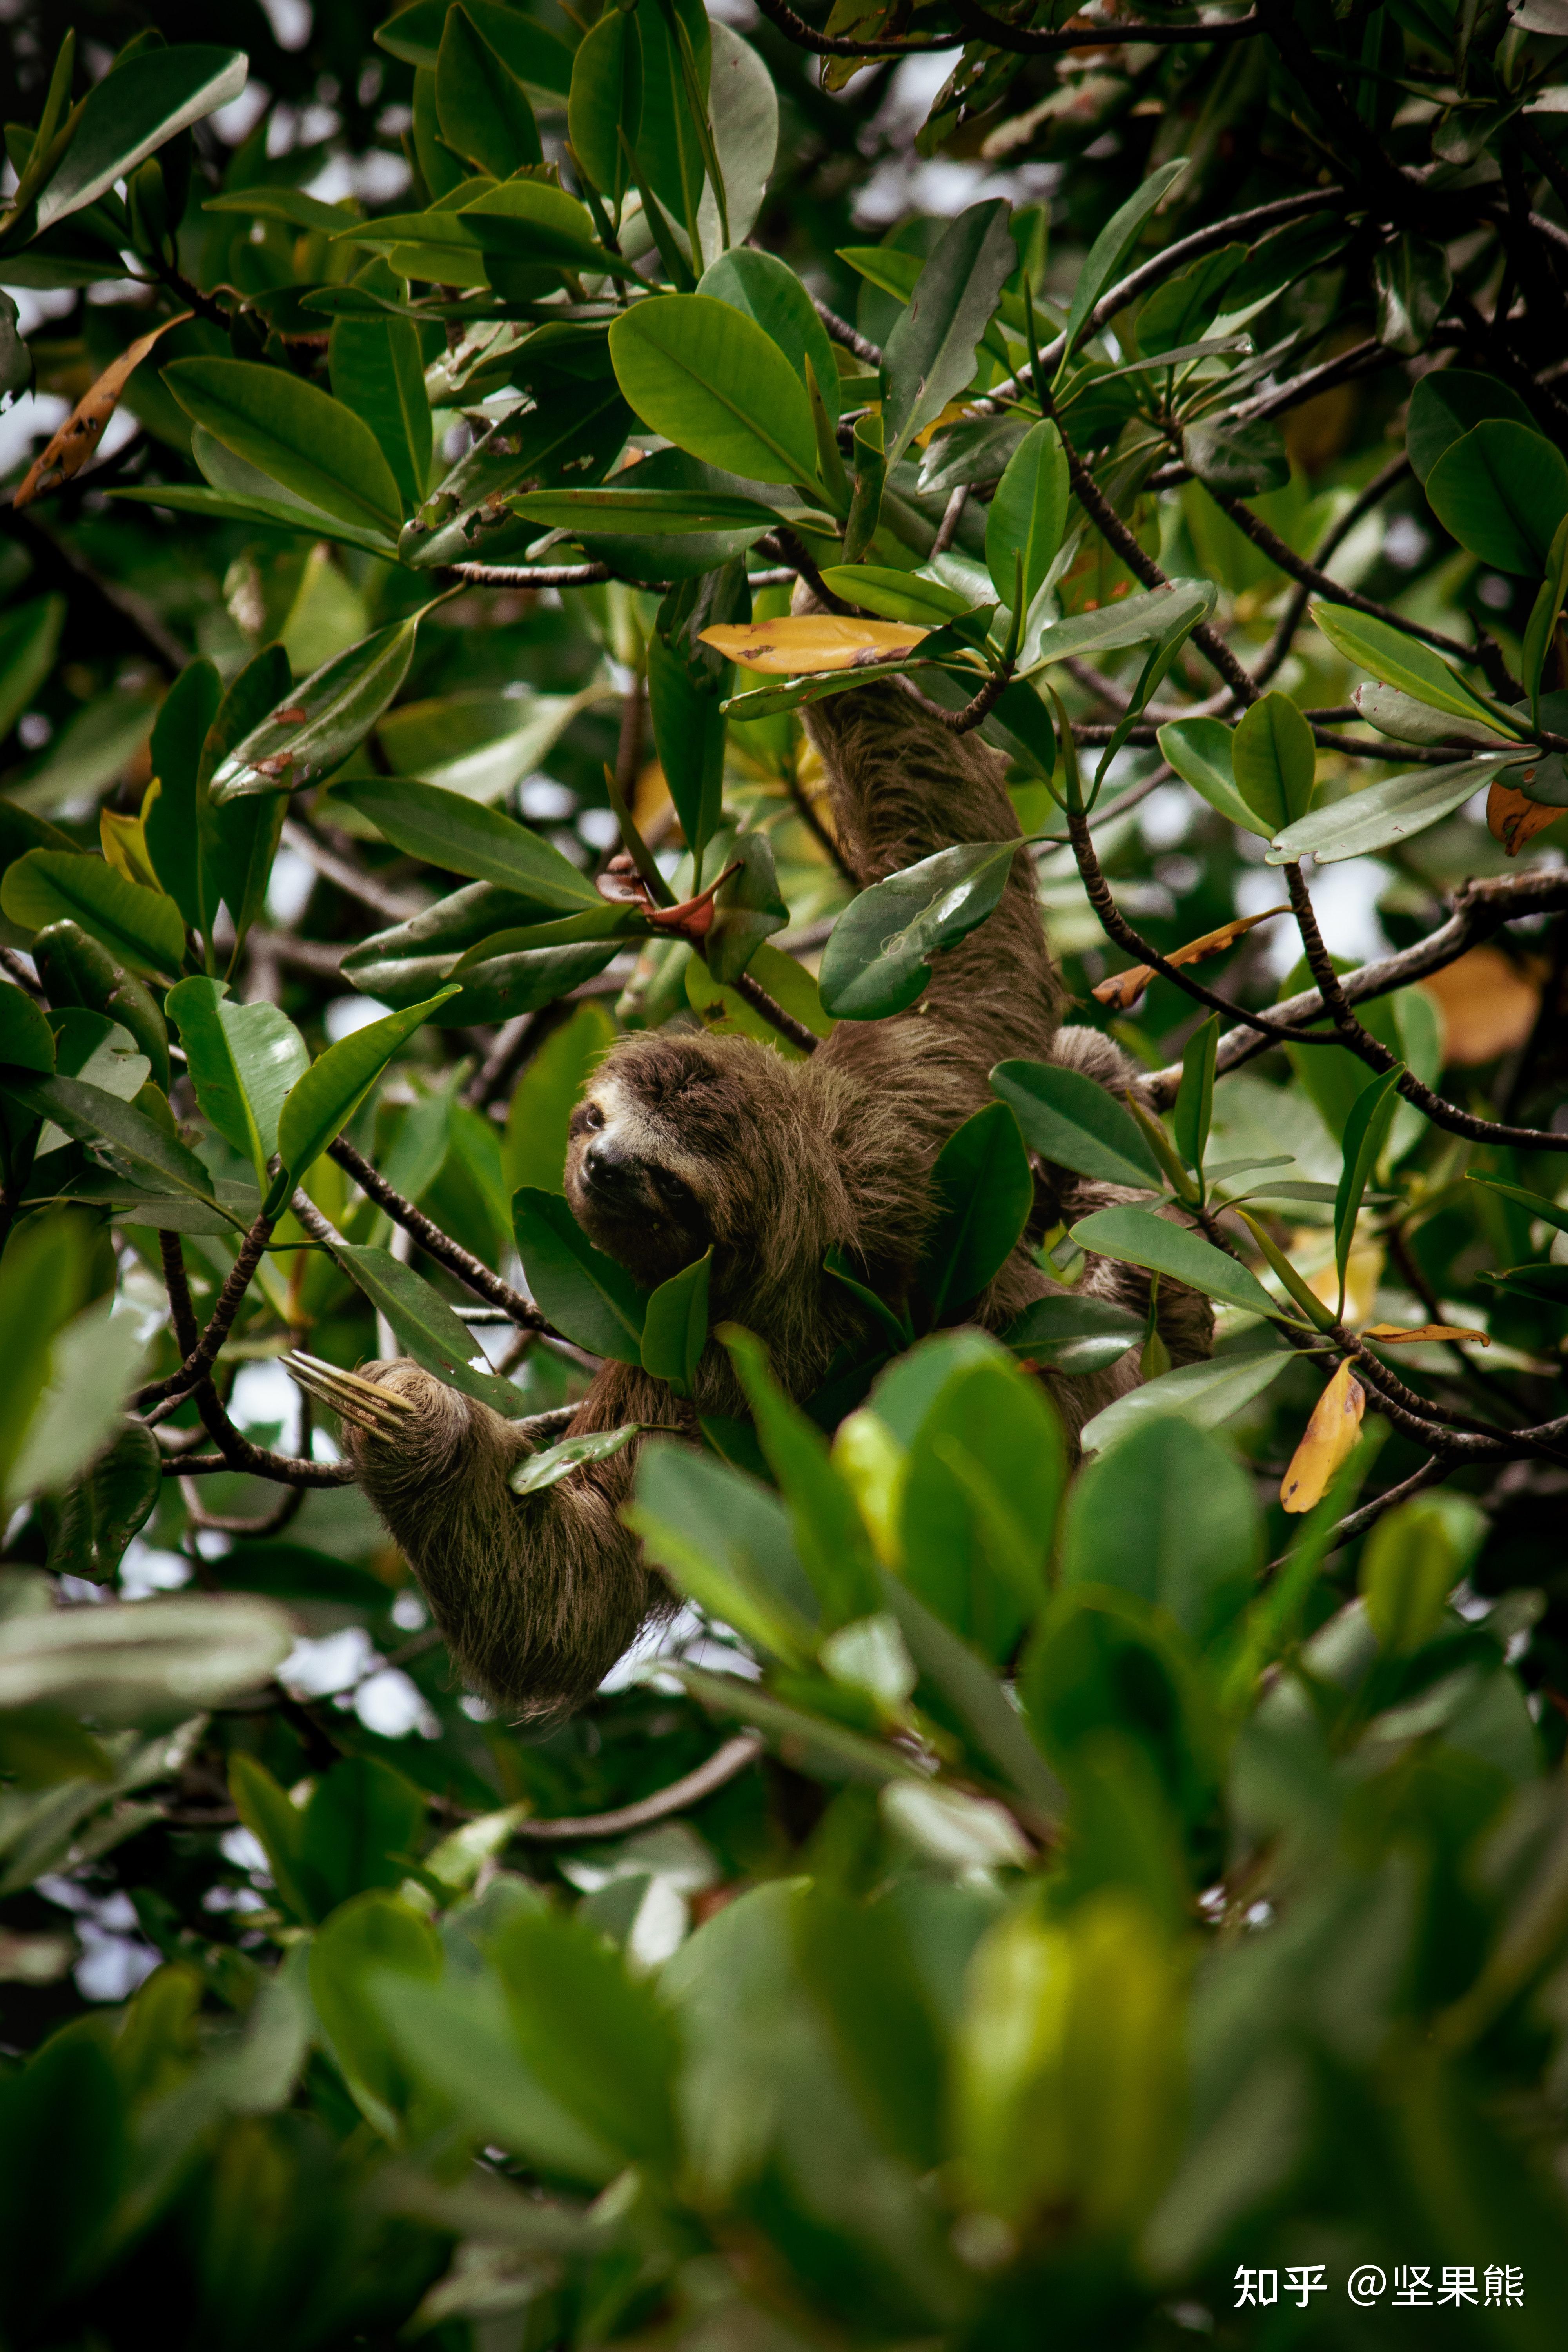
682	1141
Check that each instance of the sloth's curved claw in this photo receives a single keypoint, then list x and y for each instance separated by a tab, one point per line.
380	1412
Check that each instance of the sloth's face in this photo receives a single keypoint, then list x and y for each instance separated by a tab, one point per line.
632	1189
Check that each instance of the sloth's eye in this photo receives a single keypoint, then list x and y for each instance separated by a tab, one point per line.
592	1117
670	1188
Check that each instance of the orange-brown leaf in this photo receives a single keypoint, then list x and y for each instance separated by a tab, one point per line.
1391	1335
798	644
1329	1440
1489	1004
82	431
1122	992
1514	819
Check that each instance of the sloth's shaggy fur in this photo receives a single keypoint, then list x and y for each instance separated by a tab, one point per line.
686	1138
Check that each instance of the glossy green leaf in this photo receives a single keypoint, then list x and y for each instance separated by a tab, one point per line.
483	108
327	717
1381	814
766	290
1195	1097
708	378
877	961
1274	760
726	1541
1365	1133
606	101
294	431
645	513
93	1521
747	909
1239	460
1027	516
363	1818
982	1189
27	1041
1501	491
1107	253
1139	1237
537	57
448	829
896	595
378	372
1405	720
929	355
584	1294
365	1940
142	927
243	1060
1544	615
535	222
991	1721
239	839
138	108
433	1334
1446	403
1207	1394
88	1114
77	969
320	1104
675	1326
830	1535
179	731
1149	614
1073	1335
547	1468
1400	661
1551	1212
1075	1123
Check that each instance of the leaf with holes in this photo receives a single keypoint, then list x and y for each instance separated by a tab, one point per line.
325	718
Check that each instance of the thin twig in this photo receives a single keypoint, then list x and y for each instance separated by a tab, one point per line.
723	1766
436	1244
200	1360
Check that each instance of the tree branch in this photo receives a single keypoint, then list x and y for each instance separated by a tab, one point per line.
436	1244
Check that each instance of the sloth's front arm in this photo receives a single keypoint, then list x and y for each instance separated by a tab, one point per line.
536	1596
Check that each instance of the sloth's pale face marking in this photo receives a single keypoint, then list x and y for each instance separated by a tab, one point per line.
631	1187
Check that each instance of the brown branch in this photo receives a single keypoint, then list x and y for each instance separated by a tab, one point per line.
819	832
1023	41
529	575
342	872
1290	621
840	331
200	1360
435	1244
1377	1056
722	1767
773	1011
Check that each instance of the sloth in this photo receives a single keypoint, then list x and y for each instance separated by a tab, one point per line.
687	1141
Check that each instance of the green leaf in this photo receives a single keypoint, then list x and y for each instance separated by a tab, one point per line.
1551	1212
328	716
725	1541
1105	256
449	830
1412	281
1405	720
896	595
536	57
174	844
600	2042
239	840
747	909
709	379
362	1820
29	634
1409	1567
1148	613
1275	761
296	432
369	1938
1167	1513
1194	1096
136	109
41	1283
483	108
1382	814
1207	1394
142	927
1069	1119
689	730
434	1336
1240	460
157	1663
289	204
606	100
320	1104
94	1519
877	961
991	1722
1139	1237
928	358
1388	654
1027	515
583	1293
378	372
829	1534
1543	617
1501	491
1074	1335
675	1326
552	1463
983	1189
90	1114
269	514
638	513
79	972
1366	1131
534	223
243	1060
767	291
1445	403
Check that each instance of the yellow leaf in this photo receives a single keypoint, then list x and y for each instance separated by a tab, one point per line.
1390	1335
790	647
124	840
1329	1439
1488	1003
80	433
950	414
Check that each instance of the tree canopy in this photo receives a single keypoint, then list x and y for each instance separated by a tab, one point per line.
1003	1904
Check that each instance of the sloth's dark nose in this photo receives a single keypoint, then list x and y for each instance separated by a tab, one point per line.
610	1170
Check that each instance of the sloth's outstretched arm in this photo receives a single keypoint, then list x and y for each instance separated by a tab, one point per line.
535	1595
